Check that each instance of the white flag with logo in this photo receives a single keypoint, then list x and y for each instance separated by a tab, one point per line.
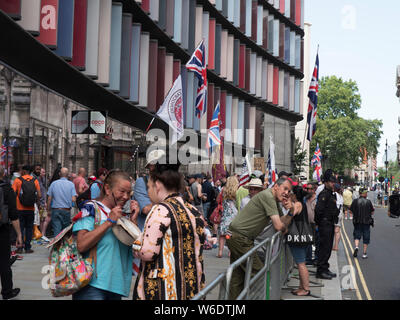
171	110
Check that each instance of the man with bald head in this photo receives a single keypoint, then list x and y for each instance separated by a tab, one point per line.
80	182
62	195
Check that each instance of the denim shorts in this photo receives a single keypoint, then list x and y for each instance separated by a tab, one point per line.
362	231
91	293
299	253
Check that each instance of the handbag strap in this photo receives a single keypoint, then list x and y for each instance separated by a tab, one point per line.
93	250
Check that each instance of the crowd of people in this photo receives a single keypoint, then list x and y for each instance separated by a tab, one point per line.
177	219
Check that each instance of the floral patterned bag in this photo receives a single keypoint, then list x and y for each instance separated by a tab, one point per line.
69	271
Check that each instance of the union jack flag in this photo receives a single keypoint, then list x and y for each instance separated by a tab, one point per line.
316	159
312	107
214	138
245	177
197	64
316	162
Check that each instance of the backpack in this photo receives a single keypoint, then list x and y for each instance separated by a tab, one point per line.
3	207
28	194
69	271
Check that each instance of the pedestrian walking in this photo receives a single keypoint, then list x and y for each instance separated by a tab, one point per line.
112	275
229	211
362	210
339	204
347	200
172	242
197	192
97	185
45	218
251	221
62	195
326	216
27	190
208	190
80	182
8	213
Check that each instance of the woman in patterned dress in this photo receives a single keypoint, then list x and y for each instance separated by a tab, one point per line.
171	243
229	210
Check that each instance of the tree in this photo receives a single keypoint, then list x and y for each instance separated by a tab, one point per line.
300	158
338	98
343	136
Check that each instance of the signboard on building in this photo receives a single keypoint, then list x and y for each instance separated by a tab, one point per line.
259	164
48	23
88	122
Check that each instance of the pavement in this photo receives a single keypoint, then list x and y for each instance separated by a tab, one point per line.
320	289
29	273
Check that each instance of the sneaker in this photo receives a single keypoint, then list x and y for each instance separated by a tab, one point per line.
19	250
29	251
44	238
355	253
351	218
364	256
13	294
19	257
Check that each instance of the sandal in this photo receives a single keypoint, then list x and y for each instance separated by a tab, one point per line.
302	295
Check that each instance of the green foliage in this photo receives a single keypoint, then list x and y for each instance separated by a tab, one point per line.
300	158
342	135
338	98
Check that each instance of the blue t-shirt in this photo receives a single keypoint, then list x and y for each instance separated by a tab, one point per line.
114	259
61	191
141	196
95	189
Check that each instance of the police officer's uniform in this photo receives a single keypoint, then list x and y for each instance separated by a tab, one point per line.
326	215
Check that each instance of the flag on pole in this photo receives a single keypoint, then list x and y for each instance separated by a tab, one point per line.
197	64
312	106
317	156
317	172
316	162
272	175
245	177
214	138
171	110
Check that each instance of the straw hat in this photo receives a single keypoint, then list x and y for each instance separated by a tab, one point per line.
254	183
126	231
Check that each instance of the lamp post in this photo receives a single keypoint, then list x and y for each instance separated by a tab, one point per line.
386	165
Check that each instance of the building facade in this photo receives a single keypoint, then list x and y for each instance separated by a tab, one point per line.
127	55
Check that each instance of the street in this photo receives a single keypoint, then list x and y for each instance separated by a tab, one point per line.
377	276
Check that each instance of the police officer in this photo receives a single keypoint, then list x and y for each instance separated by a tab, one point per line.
326	215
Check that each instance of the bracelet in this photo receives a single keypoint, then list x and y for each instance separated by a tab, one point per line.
112	221
290	214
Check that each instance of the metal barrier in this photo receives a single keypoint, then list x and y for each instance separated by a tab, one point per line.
267	283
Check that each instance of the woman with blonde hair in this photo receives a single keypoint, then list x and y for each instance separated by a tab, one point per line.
229	210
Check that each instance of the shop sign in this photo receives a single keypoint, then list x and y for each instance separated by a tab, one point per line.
88	122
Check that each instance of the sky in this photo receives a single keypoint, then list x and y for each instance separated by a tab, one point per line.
360	40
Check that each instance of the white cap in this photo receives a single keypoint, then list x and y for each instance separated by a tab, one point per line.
154	156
